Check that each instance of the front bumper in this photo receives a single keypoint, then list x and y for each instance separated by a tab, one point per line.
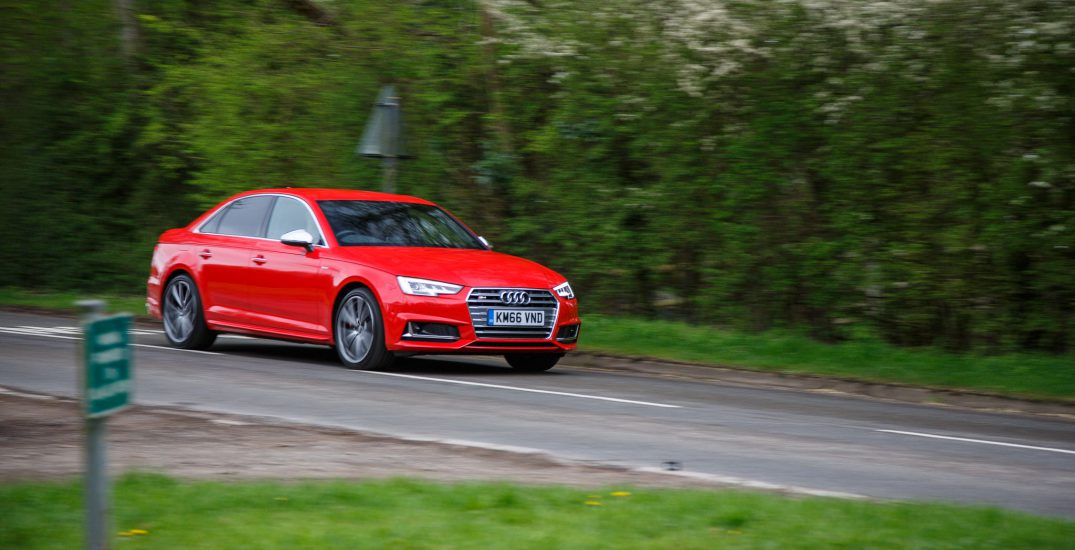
408	315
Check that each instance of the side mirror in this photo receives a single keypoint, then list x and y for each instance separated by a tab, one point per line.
485	242
299	237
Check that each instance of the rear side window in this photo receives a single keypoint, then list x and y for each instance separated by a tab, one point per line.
244	217
213	225
288	215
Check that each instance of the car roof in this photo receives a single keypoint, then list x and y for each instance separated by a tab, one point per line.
322	194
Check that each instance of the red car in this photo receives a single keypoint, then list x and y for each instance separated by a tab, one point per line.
374	275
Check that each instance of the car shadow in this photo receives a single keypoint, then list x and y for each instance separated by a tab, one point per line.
323	355
442	365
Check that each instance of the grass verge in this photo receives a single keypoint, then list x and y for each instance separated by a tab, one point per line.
1025	374
1019	375
152	511
65	301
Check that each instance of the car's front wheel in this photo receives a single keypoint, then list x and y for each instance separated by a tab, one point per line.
184	320
359	332
532	362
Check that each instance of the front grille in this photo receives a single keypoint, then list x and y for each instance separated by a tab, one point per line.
481	299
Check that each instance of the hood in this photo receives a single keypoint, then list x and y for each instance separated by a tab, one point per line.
472	268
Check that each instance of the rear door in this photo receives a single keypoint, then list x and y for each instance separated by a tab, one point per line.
226	244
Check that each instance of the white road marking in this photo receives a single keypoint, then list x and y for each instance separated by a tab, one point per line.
50	330
32	331
7	391
228	422
515	388
177	349
78	330
982	441
26	332
17	330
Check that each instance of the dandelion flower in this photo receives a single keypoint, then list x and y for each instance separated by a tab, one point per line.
593	503
620	494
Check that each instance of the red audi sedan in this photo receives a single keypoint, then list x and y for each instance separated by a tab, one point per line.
374	275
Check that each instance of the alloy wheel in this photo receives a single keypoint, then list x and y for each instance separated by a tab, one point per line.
179	310
355	329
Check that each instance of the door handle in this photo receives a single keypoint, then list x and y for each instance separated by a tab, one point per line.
259	260
206	254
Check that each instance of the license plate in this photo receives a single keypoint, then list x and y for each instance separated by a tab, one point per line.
515	318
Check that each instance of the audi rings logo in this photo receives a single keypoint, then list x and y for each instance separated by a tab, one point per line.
515	297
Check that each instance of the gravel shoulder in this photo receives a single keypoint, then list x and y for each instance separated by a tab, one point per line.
41	438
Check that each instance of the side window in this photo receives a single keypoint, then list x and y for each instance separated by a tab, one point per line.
213	225
288	215
245	217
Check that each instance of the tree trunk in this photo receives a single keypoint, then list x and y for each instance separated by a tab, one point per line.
129	35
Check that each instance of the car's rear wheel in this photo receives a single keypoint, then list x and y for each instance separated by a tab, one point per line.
184	320
532	362
359	332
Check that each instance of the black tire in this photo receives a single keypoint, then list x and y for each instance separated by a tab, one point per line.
358	329
532	362
184	319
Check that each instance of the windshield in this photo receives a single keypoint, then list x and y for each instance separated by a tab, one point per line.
378	223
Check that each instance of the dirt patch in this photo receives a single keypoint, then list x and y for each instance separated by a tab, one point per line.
41	438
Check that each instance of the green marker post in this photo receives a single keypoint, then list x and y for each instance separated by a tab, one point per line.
106	388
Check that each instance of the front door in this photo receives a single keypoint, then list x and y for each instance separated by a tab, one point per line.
287	289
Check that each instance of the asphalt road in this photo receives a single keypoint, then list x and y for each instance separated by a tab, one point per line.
809	442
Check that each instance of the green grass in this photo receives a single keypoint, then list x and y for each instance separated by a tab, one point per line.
65	301
411	514
1023	375
1030	375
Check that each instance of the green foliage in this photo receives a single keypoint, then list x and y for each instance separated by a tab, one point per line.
899	170
153	511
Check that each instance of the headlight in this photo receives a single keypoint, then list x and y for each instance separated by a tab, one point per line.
423	287
565	291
